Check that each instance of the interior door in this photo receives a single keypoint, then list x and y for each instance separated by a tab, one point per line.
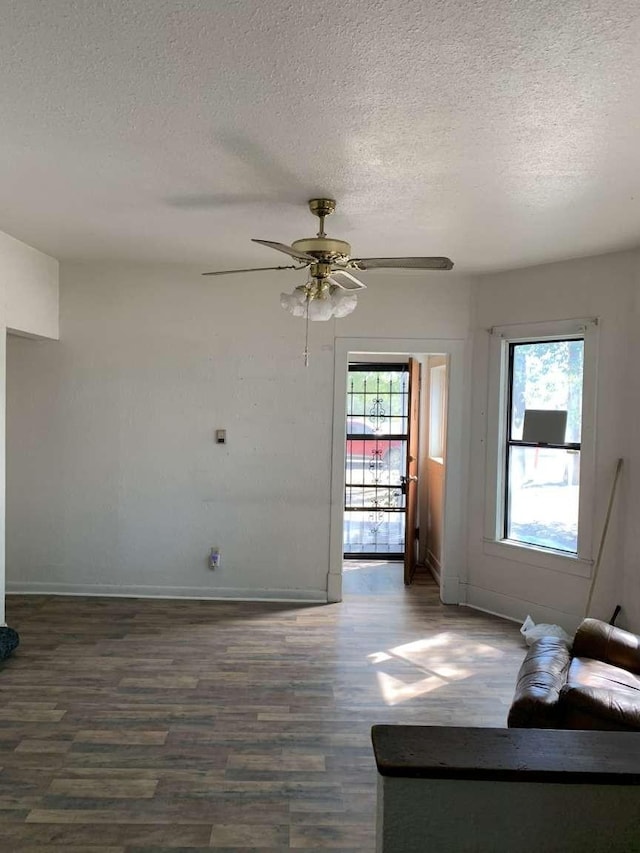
411	482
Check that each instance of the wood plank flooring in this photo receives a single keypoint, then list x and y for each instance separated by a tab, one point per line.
139	726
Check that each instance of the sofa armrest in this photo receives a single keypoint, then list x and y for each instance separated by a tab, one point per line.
601	641
541	677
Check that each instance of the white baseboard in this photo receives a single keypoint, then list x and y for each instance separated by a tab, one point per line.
334	587
516	609
450	590
433	564
302	596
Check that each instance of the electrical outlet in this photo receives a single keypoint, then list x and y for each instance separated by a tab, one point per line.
214	558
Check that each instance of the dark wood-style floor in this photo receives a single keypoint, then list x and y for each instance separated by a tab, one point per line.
131	726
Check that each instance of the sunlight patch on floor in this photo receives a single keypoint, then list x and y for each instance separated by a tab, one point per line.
378	657
422	666
359	565
394	691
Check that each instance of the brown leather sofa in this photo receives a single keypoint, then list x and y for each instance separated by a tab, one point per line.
593	685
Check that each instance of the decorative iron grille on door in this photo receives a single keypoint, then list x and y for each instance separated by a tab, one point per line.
376	459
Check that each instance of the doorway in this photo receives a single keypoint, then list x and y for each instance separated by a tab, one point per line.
375	461
383	354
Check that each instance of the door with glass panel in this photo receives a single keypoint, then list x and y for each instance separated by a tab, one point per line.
376	460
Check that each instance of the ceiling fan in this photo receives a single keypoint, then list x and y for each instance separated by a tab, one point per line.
326	294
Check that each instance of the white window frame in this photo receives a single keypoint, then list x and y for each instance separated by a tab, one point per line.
494	542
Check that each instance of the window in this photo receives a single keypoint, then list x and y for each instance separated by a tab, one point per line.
541	442
542	446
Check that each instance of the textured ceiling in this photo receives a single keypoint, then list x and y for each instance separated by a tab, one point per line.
498	132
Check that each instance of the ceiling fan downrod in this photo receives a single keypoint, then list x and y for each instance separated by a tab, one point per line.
322	207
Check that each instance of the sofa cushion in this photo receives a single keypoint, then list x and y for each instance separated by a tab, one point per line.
601	641
540	679
600	695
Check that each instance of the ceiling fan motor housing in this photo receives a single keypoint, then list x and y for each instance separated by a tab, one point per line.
324	248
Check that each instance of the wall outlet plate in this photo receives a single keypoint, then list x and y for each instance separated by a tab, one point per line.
214	558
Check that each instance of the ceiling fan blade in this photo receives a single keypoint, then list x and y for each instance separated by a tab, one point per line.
350	282
288	250
402	263
254	269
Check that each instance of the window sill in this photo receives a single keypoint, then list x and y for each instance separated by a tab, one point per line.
542	558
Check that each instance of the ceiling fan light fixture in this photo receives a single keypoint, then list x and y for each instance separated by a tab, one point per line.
295	303
318	302
344	302
320	309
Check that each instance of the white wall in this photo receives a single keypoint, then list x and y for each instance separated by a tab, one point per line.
605	287
28	306
28	289
629	593
115	483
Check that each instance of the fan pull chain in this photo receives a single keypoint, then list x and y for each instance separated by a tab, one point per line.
306	335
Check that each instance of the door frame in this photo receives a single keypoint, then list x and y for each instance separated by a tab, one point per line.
454	539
